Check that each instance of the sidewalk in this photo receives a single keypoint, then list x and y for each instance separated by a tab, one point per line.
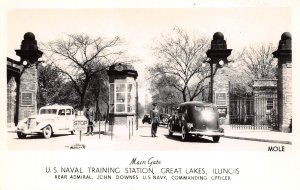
257	135
242	134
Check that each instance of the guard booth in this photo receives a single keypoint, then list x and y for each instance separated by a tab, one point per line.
123	99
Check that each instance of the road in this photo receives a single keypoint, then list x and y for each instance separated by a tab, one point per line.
140	141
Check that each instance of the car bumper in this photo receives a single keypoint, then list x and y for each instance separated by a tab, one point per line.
28	131
207	133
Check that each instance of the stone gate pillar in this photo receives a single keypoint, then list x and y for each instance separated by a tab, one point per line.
122	98
284	56
221	95
26	98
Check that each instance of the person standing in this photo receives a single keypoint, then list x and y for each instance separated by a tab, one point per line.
154	115
90	117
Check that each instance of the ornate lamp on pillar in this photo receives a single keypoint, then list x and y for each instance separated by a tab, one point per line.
29	54
217	55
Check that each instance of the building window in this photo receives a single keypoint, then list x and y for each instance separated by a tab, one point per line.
121	97
270	104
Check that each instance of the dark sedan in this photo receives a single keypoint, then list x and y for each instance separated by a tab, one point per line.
164	119
196	118
146	118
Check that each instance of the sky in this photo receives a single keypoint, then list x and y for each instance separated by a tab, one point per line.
139	27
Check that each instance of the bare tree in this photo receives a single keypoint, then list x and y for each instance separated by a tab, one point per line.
180	59
166	96
80	57
98	92
259	62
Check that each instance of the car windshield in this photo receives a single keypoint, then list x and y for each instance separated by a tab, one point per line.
48	111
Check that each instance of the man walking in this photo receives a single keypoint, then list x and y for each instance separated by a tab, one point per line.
154	115
90	117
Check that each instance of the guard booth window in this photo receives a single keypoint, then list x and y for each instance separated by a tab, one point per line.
121	98
120	92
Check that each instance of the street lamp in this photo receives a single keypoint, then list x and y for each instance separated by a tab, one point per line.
217	54
25	63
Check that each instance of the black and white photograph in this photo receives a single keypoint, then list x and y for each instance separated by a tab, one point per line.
149	95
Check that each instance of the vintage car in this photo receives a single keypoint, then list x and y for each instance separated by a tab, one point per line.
164	119
196	118
52	119
146	118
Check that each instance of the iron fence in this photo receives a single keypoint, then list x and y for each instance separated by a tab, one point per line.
258	112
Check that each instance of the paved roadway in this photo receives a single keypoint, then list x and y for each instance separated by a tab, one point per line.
141	140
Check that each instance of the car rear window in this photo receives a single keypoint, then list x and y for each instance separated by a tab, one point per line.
202	108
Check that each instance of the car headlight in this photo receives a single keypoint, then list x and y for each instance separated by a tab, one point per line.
189	125
22	124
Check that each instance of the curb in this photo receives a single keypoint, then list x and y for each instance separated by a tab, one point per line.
260	140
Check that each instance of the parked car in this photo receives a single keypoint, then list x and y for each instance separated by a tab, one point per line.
196	118
51	119
164	119
146	118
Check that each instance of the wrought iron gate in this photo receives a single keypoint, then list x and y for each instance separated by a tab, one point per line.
255	112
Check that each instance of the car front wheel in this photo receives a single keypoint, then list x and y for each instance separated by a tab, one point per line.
47	132
21	135
184	133
216	139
